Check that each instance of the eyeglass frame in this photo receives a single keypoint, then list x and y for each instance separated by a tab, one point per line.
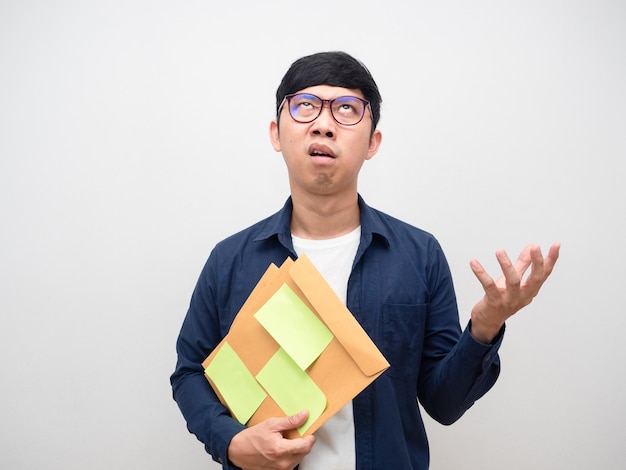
287	99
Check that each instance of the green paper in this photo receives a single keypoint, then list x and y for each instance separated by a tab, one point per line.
291	388
237	385
294	326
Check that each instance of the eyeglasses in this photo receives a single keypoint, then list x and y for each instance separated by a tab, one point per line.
305	107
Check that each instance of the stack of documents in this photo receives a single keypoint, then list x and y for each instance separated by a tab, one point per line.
293	346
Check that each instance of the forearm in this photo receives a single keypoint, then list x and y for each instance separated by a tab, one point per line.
464	375
205	415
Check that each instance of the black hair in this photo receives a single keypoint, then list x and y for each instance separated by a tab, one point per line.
333	68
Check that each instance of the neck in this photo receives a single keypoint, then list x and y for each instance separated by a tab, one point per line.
323	217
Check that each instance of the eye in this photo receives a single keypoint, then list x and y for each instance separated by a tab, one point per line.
304	104
347	106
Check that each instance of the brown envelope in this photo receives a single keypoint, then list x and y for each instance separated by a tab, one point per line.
348	364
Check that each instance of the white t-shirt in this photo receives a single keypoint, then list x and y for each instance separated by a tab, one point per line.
334	448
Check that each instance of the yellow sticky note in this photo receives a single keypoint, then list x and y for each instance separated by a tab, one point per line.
291	388
237	385
294	326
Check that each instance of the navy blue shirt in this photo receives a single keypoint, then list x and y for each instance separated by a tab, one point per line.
401	292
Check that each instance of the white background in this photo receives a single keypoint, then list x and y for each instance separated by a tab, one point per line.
134	136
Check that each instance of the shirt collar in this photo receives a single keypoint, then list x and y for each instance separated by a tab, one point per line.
372	225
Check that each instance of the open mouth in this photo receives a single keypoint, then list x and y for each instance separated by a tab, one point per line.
321	151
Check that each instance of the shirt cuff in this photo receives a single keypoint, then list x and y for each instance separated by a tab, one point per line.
474	350
227	428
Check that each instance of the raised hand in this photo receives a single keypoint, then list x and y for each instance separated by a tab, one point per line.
506	296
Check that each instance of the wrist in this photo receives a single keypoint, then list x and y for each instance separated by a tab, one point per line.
484	332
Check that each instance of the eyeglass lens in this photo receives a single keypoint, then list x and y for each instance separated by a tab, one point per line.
347	110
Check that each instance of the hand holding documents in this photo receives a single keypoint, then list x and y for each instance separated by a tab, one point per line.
292	346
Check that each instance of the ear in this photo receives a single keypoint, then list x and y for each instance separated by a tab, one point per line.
274	136
375	141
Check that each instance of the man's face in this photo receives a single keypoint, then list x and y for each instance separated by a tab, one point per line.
324	157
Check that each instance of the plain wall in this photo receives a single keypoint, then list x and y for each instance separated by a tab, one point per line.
134	136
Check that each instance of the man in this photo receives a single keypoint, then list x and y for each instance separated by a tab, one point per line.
393	278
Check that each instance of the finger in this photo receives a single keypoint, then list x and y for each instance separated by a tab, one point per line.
531	256
489	285
553	255
290	422
543	267
512	276
300	446
524	260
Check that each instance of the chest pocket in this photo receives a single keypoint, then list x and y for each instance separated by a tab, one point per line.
403	328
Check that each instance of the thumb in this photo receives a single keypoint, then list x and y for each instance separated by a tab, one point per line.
291	422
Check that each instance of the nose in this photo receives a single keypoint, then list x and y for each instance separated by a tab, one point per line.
325	123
